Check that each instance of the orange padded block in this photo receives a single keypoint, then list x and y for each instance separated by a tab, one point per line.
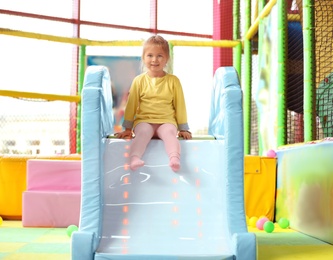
259	186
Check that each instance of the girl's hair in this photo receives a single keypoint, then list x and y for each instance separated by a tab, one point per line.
157	40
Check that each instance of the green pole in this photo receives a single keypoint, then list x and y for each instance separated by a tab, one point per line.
237	51
282	71
261	53
247	80
81	69
170	67
309	70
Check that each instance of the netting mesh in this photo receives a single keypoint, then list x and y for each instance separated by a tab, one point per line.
324	67
254	111
323	11
36	127
295	83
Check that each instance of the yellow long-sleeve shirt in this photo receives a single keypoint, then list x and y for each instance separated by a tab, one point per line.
156	101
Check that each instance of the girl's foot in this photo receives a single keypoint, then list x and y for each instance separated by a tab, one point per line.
136	163
174	163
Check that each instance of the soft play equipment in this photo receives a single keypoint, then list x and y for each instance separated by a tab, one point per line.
53	194
13	181
305	188
154	213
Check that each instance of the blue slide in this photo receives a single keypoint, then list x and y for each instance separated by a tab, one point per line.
154	213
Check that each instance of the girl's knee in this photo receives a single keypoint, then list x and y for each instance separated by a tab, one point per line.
144	129
167	130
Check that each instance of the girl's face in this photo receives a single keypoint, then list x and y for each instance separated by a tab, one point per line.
155	59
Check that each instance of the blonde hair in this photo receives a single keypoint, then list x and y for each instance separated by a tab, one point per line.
159	41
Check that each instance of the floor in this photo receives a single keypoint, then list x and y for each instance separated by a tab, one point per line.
18	243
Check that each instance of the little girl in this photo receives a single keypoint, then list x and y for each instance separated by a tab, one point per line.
155	106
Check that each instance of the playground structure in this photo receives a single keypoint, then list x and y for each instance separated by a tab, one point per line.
298	57
152	213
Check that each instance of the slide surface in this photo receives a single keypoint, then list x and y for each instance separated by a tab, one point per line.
154	211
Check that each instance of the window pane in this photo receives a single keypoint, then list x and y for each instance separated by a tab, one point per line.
194	16
32	65
59	8
110	34
193	66
35	65
36	25
125	12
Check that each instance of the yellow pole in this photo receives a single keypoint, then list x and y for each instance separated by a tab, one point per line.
33	95
86	42
254	27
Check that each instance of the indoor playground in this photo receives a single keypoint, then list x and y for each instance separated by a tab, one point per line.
254	181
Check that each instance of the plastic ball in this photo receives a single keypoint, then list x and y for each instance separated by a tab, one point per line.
269	226
247	220
71	229
253	221
283	223
260	223
271	153
1	221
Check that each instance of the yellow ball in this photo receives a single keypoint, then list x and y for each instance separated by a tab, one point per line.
247	220
253	221
1	221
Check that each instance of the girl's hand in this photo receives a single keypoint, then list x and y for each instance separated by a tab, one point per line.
126	134
187	135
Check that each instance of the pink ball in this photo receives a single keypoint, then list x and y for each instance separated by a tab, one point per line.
260	223
271	153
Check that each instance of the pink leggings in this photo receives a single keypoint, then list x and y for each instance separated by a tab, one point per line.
144	132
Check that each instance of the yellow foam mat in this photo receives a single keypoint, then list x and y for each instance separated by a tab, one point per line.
19	243
288	244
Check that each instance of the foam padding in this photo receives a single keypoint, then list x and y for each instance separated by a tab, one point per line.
304	188
53	194
51	209
259	186
53	175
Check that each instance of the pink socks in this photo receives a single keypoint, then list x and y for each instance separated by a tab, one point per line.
136	163
174	163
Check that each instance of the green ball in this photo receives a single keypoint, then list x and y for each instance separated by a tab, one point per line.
283	223
71	229
269	226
